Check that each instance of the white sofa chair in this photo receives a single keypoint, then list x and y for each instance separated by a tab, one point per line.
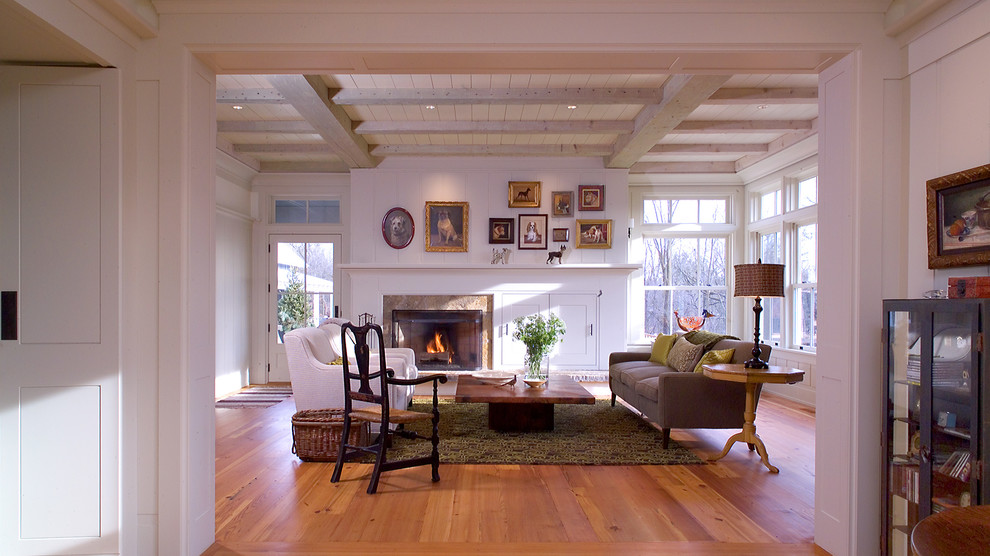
318	384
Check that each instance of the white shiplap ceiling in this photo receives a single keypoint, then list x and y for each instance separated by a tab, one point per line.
649	123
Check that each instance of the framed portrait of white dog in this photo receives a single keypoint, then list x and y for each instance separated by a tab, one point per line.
398	228
524	194
447	226
532	231
594	234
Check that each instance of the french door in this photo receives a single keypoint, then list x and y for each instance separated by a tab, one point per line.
302	290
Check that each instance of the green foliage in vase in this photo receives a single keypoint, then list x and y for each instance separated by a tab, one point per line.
540	334
294	310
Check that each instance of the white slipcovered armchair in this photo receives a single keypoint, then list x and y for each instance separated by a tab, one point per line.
318	384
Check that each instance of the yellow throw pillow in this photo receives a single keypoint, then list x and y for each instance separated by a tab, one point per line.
661	347
715	357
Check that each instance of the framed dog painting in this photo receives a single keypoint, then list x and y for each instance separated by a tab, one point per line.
594	234
398	228
591	197
501	230
524	194
446	226
532	231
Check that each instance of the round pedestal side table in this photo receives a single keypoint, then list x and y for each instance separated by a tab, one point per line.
953	532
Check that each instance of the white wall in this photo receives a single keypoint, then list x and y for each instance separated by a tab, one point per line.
234	283
949	127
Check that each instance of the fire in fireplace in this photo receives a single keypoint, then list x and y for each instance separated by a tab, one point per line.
446	340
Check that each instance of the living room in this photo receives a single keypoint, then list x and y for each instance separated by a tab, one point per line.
901	105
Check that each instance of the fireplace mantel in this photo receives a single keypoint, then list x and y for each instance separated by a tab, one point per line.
584	267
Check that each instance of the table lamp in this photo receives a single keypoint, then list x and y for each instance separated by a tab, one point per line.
758	280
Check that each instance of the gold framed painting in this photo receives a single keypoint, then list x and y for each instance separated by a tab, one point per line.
524	194
446	226
959	218
594	234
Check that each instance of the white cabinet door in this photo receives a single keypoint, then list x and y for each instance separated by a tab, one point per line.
512	352
579	349
579	311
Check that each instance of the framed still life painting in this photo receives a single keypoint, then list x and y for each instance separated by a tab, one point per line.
958	208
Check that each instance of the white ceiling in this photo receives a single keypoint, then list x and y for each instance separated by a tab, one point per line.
647	122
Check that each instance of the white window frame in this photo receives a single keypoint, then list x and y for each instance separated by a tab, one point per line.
638	231
787	224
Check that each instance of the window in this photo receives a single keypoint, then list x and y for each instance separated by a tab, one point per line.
307	211
790	237
684	252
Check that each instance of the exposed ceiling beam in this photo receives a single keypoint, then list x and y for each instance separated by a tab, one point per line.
248	161
710	149
312	167
777	145
250	96
682	94
309	95
512	127
683	168
590	95
742	126
781	95
298	148
492	150
262	126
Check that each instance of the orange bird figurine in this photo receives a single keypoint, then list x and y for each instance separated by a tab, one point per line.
689	324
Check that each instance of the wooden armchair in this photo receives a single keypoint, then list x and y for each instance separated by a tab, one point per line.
381	412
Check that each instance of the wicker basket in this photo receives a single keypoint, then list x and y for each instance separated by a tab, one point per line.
316	434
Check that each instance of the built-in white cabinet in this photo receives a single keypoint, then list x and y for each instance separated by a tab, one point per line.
579	311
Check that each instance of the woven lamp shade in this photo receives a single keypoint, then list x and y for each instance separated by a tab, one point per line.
759	280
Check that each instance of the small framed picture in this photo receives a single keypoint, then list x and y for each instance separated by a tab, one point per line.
501	230
524	194
959	218
532	231
446	226
560	235
563	203
591	197
594	234
398	228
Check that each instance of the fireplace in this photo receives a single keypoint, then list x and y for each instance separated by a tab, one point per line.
442	339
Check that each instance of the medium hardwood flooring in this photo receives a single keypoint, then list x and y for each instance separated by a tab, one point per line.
269	502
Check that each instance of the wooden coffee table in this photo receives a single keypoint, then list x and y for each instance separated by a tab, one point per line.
517	407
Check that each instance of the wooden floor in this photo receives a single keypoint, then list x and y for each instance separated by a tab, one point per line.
269	502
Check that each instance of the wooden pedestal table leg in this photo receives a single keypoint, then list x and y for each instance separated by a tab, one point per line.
748	434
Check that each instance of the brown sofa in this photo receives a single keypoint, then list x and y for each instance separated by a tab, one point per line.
673	399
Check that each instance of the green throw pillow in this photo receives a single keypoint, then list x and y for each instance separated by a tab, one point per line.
661	347
715	357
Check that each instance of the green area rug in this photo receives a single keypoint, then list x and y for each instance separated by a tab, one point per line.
596	434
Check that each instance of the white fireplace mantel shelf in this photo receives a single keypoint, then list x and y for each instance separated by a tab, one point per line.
626	268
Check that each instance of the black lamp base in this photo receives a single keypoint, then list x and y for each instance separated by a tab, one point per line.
756	362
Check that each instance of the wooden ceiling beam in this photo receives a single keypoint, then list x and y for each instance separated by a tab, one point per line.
589	95
682	94
491	150
250	96
742	126
510	127
293	148
310	97
224	146
683	168
265	126
754	95
710	149
777	145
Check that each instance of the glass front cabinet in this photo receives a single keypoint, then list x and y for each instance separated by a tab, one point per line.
935	426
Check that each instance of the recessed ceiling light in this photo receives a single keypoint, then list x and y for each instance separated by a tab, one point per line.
431	107
572	107
237	107
763	106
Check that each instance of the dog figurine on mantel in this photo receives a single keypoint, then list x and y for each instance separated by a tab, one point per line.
556	255
500	255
